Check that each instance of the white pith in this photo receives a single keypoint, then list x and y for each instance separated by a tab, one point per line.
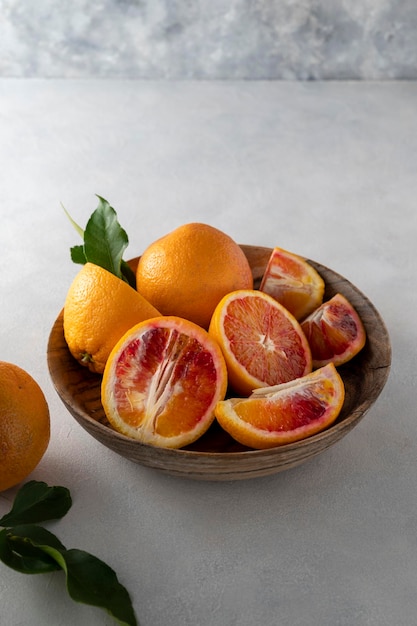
153	400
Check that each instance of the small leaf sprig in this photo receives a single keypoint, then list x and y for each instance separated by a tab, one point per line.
31	549
104	242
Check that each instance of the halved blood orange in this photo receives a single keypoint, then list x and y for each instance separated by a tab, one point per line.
293	282
334	331
162	381
261	341
285	413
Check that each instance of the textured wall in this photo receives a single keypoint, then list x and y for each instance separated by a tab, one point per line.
209	39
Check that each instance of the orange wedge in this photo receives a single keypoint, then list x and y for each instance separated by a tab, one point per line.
285	413
293	282
335	332
162	381
261	341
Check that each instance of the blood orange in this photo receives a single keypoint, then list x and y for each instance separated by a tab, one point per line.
188	271
162	381
262	343
285	413
99	309
293	282
334	331
24	425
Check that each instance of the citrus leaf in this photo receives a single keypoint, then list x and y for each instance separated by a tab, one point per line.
78	255
37	502
104	242
74	223
77	252
93	582
104	239
128	274
19	552
31	549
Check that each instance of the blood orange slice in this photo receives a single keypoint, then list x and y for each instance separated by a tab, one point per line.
261	341
293	282
285	413
334	331
162	381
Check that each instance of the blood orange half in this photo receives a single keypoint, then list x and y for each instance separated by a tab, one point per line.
162	381
334	331
293	282
261	341
285	413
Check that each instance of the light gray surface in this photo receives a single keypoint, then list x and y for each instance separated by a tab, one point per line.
255	39
323	169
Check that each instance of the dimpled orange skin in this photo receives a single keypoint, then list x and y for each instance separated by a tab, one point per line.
188	271
99	309
24	425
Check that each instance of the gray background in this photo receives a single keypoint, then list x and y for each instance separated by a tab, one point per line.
209	39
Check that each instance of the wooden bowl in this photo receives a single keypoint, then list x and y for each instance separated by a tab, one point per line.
216	456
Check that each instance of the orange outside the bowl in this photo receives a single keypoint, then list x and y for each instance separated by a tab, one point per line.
293	282
24	425
335	332
261	341
162	381
285	413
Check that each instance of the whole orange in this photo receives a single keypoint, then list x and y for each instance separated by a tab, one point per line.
24	425
99	309
188	271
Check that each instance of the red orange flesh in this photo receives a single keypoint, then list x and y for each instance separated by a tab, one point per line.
162	381
284	413
335	332
262	343
292	281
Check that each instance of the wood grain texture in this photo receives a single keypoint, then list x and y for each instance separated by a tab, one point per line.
216	456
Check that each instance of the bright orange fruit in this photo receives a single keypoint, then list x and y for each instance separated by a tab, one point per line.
99	309
293	282
261	341
188	271
162	381
334	331
24	425
285	413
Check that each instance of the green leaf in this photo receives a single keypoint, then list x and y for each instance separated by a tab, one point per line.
37	502
104	239
19	551
77	228
31	549
128	274
104	242
91	581
78	255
